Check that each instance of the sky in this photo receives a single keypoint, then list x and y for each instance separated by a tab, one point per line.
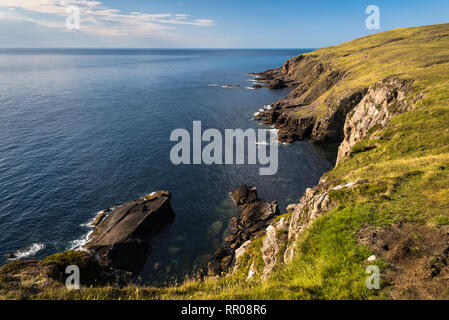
204	23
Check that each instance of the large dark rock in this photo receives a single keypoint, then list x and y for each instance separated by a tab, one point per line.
255	217
277	84
120	239
244	195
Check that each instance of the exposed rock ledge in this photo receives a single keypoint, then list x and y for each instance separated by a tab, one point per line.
120	238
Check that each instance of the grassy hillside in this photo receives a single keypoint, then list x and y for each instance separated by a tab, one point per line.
406	165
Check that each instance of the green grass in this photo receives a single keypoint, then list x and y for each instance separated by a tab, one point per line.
406	167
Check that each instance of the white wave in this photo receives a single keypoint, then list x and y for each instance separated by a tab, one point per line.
144	197
256	114
77	244
213	85
268	107
90	223
250	88
28	251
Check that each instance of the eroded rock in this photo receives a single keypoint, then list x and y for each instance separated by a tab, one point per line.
314	203
383	100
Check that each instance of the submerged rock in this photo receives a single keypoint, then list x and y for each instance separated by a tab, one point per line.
119	241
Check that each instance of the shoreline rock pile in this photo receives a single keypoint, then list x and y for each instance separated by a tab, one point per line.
255	217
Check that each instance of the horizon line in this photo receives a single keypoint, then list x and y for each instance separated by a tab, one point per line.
143	48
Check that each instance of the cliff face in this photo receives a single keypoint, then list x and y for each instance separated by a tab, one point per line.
316	109
383	100
295	115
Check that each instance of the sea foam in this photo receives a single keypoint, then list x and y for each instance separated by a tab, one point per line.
28	251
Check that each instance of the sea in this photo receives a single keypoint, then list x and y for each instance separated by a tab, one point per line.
83	130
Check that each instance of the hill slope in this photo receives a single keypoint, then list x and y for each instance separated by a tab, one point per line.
385	98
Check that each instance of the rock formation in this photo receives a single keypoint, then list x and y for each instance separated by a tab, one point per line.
119	240
272	245
312	205
256	215
383	100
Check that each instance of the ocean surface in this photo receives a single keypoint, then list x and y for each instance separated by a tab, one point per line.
86	130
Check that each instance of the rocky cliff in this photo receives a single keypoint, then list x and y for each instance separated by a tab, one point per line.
383	100
336	96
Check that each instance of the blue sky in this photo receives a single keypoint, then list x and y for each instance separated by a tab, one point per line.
205	23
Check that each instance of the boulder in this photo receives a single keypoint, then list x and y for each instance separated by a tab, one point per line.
120	240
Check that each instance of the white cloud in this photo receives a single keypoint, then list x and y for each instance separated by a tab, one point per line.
96	18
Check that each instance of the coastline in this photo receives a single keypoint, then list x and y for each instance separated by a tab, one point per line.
386	195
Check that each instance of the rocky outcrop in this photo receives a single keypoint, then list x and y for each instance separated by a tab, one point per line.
384	100
312	205
255	216
120	238
312	111
295	116
329	129
272	245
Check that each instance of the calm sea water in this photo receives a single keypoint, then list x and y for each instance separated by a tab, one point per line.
85	130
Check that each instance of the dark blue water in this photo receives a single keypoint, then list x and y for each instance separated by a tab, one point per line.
84	130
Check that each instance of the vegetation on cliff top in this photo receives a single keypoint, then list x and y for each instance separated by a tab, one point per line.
406	165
